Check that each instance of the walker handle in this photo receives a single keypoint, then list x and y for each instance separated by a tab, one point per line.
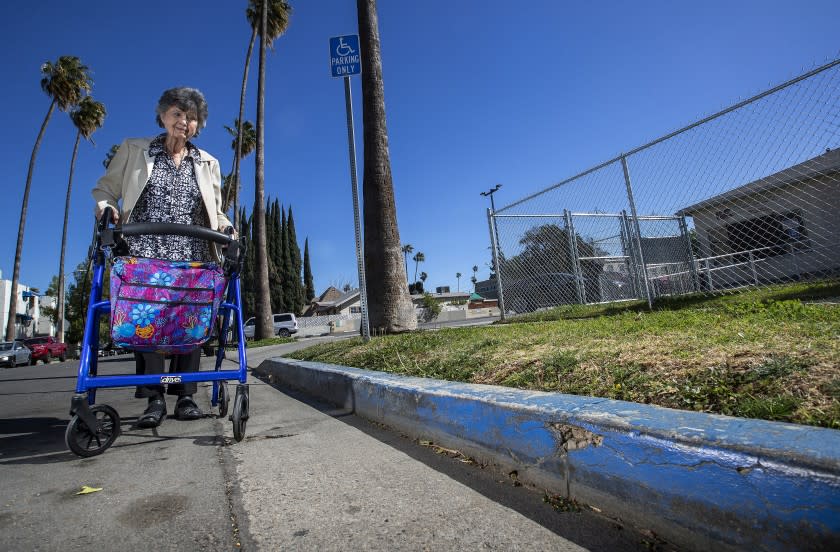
174	229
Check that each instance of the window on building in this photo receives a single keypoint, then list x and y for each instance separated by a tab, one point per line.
355	310
768	236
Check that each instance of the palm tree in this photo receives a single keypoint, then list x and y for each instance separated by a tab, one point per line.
249	143
406	249
474	278
65	83
87	117
423	277
389	304
276	24
458	276
418	258
258	16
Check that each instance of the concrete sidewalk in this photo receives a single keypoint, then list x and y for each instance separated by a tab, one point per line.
311	477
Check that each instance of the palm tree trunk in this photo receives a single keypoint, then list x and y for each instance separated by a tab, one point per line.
389	303
416	266
237	155
265	327
60	317
10	325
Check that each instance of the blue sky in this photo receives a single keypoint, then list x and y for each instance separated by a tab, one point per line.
477	93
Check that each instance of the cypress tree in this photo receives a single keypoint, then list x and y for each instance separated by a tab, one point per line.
308	281
287	268
275	271
294	253
276	234
247	279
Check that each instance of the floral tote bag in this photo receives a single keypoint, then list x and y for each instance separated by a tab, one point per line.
163	306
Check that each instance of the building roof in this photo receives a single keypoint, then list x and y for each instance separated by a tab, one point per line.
337	301
821	165
330	294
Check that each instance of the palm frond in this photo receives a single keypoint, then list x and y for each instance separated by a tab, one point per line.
67	81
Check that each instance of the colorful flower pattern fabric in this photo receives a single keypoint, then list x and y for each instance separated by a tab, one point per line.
163	306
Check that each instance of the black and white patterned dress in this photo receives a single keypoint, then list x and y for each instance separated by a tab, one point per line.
171	195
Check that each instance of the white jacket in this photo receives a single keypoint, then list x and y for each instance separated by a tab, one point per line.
129	172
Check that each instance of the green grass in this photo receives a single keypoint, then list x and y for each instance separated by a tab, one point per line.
771	353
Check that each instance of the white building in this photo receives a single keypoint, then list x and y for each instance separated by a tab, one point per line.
30	322
781	227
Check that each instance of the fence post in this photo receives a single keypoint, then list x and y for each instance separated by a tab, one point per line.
491	221
573	256
695	284
630	254
637	232
709	275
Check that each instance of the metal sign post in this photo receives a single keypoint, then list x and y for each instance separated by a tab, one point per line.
345	60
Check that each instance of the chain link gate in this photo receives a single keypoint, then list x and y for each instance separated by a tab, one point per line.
746	197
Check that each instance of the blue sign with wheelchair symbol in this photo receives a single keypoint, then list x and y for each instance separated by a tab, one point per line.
345	58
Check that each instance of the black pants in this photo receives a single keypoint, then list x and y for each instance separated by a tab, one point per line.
153	363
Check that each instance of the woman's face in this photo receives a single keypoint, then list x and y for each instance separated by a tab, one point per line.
179	124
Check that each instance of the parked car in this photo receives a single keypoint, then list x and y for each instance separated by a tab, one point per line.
285	324
541	291
13	353
45	348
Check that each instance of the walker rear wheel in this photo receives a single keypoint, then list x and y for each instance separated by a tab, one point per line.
85	441
239	415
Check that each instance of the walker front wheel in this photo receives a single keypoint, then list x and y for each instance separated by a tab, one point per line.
239	416
85	441
223	399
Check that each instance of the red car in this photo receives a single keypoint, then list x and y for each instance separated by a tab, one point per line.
45	348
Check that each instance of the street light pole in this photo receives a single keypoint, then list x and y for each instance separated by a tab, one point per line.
494	245
490	193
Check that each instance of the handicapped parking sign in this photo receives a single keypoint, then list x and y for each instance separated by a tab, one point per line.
345	58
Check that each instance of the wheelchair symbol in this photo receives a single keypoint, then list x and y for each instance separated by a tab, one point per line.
343	50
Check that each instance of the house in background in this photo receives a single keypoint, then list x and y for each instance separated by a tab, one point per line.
457	305
333	302
781	227
445	299
488	289
478	302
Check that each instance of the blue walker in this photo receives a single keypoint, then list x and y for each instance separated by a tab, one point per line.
93	428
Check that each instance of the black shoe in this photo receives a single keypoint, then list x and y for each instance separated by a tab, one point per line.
153	414
186	409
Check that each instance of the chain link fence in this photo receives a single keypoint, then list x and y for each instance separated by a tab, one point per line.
746	197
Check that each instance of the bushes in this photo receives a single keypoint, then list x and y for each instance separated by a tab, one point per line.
431	308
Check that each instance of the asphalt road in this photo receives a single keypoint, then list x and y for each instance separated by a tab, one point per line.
306	477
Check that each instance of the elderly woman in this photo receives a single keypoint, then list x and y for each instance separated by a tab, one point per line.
167	179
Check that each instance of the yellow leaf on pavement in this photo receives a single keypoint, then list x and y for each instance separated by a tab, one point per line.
87	490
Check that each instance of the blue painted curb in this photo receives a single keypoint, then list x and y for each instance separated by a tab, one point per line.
703	481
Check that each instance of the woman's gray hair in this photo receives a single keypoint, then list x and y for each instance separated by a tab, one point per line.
191	100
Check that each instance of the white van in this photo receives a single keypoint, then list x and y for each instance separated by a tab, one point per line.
285	324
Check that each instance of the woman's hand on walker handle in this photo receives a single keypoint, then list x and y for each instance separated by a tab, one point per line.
115	214
230	231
